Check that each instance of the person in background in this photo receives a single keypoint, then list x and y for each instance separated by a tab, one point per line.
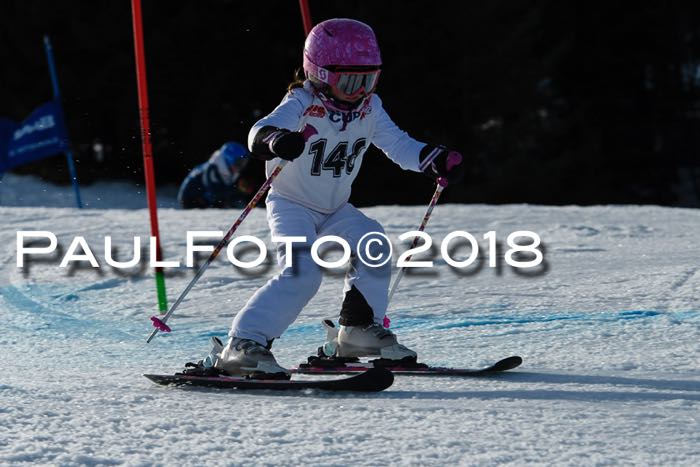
216	183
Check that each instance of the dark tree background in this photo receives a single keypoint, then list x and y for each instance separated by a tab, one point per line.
555	102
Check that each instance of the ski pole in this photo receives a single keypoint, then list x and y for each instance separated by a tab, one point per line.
441	184
159	323
453	158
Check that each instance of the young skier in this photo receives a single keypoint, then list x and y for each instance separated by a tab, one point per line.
323	127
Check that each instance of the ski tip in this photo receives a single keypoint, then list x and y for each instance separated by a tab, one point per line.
507	363
154	378
377	379
166	380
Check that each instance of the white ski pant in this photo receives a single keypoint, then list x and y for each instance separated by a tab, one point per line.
276	305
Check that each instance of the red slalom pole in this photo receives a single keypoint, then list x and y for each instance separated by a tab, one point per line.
306	16
146	145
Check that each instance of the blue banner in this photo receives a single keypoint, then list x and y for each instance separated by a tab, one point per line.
41	135
7	127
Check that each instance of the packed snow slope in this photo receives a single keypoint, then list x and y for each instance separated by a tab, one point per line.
23	190
609	329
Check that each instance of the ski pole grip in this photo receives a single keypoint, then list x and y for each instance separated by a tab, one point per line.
442	181
453	159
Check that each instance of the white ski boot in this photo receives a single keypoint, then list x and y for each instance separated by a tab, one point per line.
206	367
217	347
331	345
372	340
245	357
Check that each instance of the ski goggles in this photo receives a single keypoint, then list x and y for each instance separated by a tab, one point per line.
347	84
351	85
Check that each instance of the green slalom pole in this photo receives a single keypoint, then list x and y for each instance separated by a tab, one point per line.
160	289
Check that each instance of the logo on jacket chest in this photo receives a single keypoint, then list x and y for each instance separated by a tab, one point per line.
337	116
345	117
317	111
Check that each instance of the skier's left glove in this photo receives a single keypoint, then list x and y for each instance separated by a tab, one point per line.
439	161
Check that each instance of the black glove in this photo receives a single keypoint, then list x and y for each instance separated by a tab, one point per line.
439	161
286	144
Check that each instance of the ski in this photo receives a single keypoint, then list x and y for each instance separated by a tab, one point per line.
321	366
368	380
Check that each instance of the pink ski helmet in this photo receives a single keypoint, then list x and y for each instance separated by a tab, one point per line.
344	55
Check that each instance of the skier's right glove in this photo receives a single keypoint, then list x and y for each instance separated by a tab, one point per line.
286	144
271	142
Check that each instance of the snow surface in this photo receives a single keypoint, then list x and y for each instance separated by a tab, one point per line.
609	332
18	190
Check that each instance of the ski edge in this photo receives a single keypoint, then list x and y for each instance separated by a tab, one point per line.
371	380
500	366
